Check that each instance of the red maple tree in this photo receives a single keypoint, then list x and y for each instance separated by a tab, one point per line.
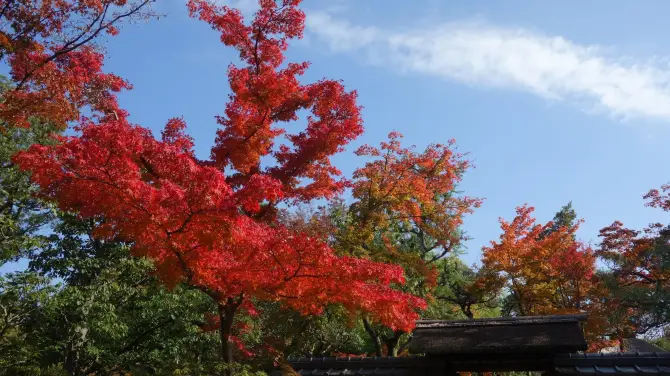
54	60
213	224
636	274
639	274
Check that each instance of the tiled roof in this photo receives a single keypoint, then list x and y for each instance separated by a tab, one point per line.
636	344
613	364
616	364
373	366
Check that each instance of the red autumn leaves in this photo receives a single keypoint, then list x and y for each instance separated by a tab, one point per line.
55	66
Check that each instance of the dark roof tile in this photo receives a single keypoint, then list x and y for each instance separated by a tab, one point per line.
616	364
613	364
355	366
637	344
622	370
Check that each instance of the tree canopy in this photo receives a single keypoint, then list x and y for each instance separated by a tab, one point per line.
144	259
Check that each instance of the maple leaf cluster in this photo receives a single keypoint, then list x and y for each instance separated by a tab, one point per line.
401	192
55	65
405	211
400	185
265	95
213	224
659	198
633	251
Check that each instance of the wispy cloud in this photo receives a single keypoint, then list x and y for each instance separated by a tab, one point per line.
487	55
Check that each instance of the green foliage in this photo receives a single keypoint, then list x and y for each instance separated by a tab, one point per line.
111	314
22	295
662	342
21	214
457	284
293	334
107	313
566	217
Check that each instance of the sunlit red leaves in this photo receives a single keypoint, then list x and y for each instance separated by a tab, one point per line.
265	39
174	134
265	95
55	67
59	89
574	263
186	218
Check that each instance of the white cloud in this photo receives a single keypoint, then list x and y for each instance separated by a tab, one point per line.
487	55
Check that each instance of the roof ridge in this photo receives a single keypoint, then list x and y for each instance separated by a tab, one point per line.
515	319
353	358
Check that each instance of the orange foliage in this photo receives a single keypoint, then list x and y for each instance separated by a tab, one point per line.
546	272
409	192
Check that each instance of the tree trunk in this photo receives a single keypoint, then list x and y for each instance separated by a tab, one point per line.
78	334
73	353
405	345
392	344
226	317
71	359
467	310
375	337
392	347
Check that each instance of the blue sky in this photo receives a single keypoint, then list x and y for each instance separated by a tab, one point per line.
568	101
